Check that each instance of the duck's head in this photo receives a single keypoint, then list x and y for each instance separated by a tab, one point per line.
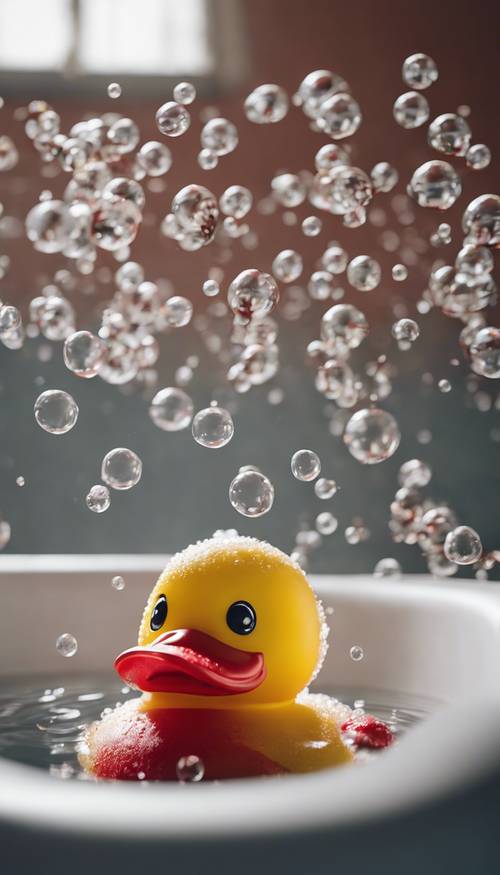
233	619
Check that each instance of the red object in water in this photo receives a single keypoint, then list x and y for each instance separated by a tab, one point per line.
368	731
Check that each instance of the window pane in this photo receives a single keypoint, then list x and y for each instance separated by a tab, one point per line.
34	34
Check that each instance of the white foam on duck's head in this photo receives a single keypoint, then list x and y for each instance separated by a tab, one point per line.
261	552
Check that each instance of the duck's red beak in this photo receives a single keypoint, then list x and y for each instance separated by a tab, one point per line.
188	661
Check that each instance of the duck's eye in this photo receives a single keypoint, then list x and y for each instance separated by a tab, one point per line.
241	618
159	614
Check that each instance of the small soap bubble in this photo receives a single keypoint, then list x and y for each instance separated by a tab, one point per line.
66	644
356	653
56	411
289	189
419	71
325	488
114	90
435	184
384	176
10	318
121	468
343	327
481	220
399	272
478	156
485	353
84	353
213	427
414	473
444	386
252	294
311	226
372	436
364	273
171	409
211	288
178	311
287	266
424	436
387	568
320	285
266	104
173	119
98	499
450	134
326	523
305	465
190	769
20	481
118	582
339	116
154	158
220	136
236	201
251	493
5	532
411	110
463	546
184	92
406	330
207	159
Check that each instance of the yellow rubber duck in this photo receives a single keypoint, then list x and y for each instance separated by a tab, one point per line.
230	638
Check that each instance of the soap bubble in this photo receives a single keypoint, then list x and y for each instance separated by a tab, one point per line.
325	488
196	212
266	104
387	568
320	285
252	294
289	189
326	523
178	311
98	499
356	653
450	134
384	176
114	90
207	159
474	261
118	582
5	532
478	156
83	353
173	119
125	189
171	409
10	318
372	436
485	353
419	71
56	411
414	473
121	468
213	427
343	327
481	220
251	493
364	273
211	288
405	330
444	386
154	158
399	272
306	465
311	226
48	226
317	87
411	110
463	546
56	318
9	156
340	116
190	769
220	136
20	481
236	201
66	644
184	92
115	224
436	184
287	266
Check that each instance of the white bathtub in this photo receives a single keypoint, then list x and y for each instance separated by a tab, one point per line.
417	806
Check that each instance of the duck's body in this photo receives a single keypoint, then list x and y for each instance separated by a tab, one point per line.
137	739
230	636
